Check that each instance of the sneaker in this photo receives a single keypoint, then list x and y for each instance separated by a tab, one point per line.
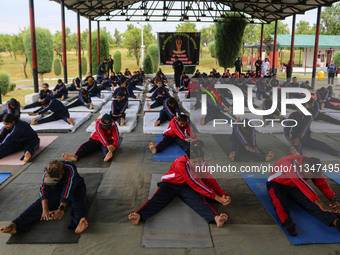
289	225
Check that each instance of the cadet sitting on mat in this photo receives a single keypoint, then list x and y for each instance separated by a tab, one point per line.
123	88
299	135
17	135
44	93
292	184
105	137
83	100
59	112
60	91
118	108
60	185
177	132
93	89
323	98
243	136
170	110
12	107
159	95
183	180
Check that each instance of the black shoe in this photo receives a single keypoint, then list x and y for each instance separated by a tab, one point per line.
289	225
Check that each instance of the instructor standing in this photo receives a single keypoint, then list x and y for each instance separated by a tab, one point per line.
177	65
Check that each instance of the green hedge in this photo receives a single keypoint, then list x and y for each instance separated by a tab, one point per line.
4	83
12	86
84	66
153	51
117	58
336	58
147	64
189	69
57	67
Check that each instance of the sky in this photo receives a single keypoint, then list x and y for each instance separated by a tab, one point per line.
15	16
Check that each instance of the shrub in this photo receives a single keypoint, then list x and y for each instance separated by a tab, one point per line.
189	69
4	83
117	58
83	65
104	48
147	64
153	51
57	67
12	86
336	58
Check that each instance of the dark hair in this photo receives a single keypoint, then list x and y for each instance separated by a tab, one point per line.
122	80
9	118
172	100
46	84
183	117
313	165
120	94
46	101
13	102
60	81
195	152
84	92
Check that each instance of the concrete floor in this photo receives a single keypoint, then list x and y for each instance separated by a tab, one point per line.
124	188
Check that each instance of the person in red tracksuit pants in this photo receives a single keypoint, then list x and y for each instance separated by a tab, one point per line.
176	132
105	137
292	183
182	180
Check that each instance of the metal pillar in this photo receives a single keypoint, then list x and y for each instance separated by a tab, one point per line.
261	42
274	48
316	46
64	39
90	45
98	42
33	47
292	41
79	43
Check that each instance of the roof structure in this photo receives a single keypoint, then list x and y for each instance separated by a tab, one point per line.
306	41
256	11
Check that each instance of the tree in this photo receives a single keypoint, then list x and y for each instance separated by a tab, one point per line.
186	27
250	36
336	59
330	20
6	43
153	51
132	40
17	45
57	67
207	35
104	47
44	44
83	65
58	42
118	37
282	29
304	28
4	83
117	57
212	49
147	64
228	39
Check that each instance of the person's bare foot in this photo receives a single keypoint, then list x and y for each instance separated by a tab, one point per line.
68	157
10	229
27	156
270	156
34	122
156	123
232	156
70	121
148	105
221	219
91	106
265	123
137	97
293	151
152	148
22	107
202	120
108	156
134	218
192	107
82	225
102	96
122	122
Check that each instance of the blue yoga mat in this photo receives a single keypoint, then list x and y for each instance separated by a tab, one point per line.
170	154
335	176
4	177
309	229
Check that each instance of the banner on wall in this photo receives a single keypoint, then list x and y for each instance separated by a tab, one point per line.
184	45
